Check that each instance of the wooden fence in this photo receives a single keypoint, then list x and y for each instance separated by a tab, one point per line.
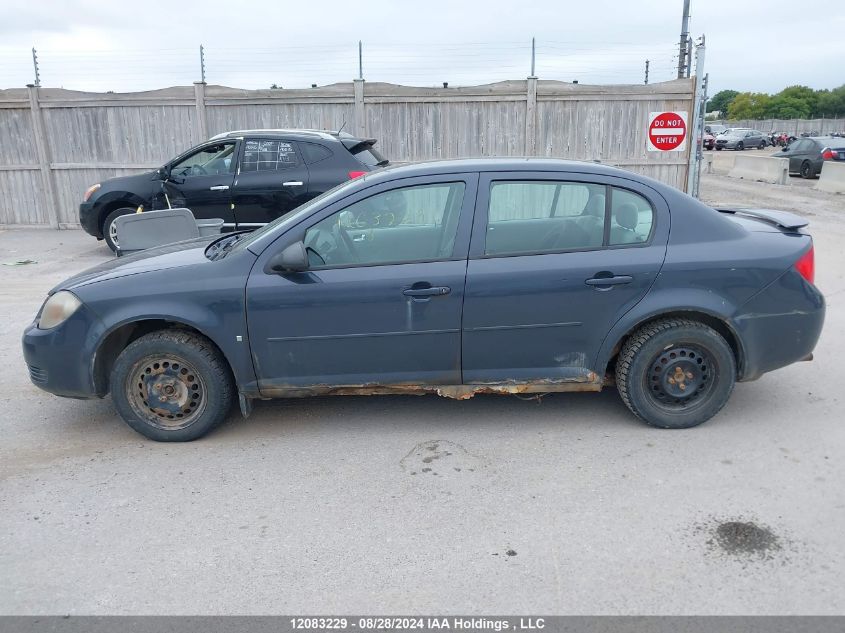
54	143
790	126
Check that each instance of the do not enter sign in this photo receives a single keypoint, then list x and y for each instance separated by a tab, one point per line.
667	131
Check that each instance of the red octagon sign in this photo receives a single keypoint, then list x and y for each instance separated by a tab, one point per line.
667	131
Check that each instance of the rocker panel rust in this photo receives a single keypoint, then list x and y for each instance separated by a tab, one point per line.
587	382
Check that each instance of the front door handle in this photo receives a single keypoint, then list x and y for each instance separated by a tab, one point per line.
219	188
434	291
292	183
605	283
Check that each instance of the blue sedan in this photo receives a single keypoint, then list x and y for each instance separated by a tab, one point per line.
507	276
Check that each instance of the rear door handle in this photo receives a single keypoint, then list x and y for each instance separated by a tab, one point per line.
434	291
219	188
292	183
603	283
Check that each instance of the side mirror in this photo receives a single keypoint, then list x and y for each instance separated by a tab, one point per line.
163	172
294	259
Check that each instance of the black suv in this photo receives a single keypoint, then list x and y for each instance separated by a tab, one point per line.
246	177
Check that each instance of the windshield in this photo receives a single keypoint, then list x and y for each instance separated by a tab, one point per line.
296	213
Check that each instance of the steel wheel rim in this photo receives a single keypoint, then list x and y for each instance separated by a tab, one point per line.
680	377
166	392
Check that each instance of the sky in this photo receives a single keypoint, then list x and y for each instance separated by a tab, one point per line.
99	45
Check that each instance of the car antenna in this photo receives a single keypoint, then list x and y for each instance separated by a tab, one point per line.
341	127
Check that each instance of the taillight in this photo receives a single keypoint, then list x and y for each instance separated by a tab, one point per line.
356	174
806	266
828	154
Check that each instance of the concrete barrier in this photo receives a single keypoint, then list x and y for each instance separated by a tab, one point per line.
832	178
760	168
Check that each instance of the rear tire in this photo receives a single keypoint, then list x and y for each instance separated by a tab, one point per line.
762	145
109	234
806	170
172	386
675	373
740	146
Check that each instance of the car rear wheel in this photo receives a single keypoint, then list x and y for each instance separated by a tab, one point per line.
740	146
109	232
806	169
718	148
172	386
762	145
675	373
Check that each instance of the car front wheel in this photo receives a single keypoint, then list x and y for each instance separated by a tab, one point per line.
675	373
740	146
172	386
109	230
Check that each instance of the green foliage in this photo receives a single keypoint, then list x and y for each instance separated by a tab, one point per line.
721	101
749	105
793	102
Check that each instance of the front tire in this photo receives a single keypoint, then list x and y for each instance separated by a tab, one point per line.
109	232
172	386
675	373
740	146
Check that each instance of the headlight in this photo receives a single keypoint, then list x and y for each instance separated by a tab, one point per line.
90	192
58	309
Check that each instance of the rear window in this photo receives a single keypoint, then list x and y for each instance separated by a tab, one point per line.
370	156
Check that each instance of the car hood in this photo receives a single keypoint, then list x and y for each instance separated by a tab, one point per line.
127	183
159	258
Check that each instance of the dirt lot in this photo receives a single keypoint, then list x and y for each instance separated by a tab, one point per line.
568	507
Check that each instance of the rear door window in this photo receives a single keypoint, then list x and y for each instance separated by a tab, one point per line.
269	155
544	216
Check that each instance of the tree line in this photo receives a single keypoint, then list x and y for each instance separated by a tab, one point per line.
793	102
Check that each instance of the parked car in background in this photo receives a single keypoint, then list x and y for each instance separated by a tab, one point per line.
248	178
807	155
709	141
509	276
715	128
741	138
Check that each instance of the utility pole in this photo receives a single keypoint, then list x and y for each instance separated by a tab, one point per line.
683	48
646	72
202	64
360	60
35	65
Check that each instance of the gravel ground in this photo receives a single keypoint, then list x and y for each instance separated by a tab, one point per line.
427	505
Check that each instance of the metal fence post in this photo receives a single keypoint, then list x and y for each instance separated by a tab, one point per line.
43	151
359	113
531	116
696	124
201	127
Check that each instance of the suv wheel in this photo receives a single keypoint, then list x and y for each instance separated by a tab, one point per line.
172	386
109	232
740	146
675	373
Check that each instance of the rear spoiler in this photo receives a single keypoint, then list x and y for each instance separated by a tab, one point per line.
357	144
783	219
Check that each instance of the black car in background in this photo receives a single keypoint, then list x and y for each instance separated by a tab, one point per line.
248	178
807	155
